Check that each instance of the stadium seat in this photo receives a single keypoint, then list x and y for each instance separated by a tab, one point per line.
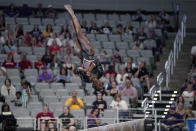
46	21
34	112
101	37
56	86
13	72
53	106
15	79
27	28
125	17
60	22
133	53
46	92
77	113
113	17
10	20
101	17
33	21
116	38
39	86
96	44
89	17
122	45
88	100
26	50
31	79
38	51
3	57
108	45
22	21
34	105
91	37
108	99
50	99
31	72
61	92
21	112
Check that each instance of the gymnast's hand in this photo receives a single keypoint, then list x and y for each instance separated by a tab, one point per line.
88	73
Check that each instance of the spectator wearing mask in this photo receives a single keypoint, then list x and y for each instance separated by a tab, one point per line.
45	76
8	89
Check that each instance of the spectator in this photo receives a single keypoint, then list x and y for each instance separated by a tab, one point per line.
46	119
129	29
106	29
36	31
2	42
8	89
130	92
130	60
54	48
11	11
2	23
164	16
110	70
120	78
93	118
63	77
18	100
67	120
94	29
188	93
142	73
40	42
114	91
2	71
26	95
54	38
24	63
104	58
129	70
173	121
193	54
25	11
74	102
45	76
9	63
19	33
180	100
10	48
39	12
150	43
63	32
120	105
120	30
100	103
194	102
47	57
69	66
29	40
48	32
50	12
188	113
141	35
150	22
84	27
39	64
24	81
116	56
98	88
55	65
180	109
139	16
138	45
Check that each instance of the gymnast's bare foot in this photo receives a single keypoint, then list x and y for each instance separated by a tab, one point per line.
69	9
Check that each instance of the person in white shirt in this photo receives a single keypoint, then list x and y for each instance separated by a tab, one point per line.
188	93
120	78
120	105
150	22
193	53
50	41
8	89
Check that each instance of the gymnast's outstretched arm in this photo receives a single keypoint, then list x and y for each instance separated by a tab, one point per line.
80	36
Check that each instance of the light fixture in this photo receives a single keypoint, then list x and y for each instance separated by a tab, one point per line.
153	102
170	102
147	112
165	113
171	99
173	95
175	92
167	106
166	109
150	105
156	95
155	99
163	116
158	91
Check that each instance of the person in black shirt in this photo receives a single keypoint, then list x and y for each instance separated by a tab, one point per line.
106	29
98	88
94	29
142	73
100	103
91	69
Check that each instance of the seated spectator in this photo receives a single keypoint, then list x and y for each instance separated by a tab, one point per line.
116	56
29	40
24	63
188	93
26	95
150	43
55	65
48	32
111	70
180	109
69	66
130	60
47	57
51	12
173	120
39	64
106	29
84	27
54	48
104	58
10	48
94	29
36	31
139	16
74	102
194	102
11	35
8	89
120	78
46	119
129	70
2	71
114	90
2	23
138	45
164	16
93	118
39	42
25	11
180	100
141	35
64	31
54	39
45	76
11	11
130	92
188	113
142	73
120	29
9	63
100	103
18	100
150	22
63	77
120	105
19	33
67	120
39	12
193	54
129	29
98	88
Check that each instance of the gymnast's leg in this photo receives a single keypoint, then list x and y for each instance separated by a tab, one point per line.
80	35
